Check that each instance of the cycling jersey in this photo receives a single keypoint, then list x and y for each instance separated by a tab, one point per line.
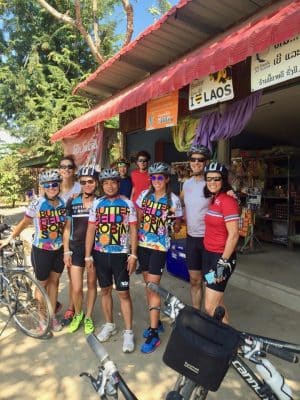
78	216
223	209
112	219
48	222
153	232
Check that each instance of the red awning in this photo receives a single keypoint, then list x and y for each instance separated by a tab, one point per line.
250	38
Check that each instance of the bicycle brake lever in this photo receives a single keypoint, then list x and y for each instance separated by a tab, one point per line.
95	382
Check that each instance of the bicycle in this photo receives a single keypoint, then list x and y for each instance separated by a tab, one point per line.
24	297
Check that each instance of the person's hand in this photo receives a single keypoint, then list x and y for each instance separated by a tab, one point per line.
131	263
223	269
68	258
177	228
231	194
89	262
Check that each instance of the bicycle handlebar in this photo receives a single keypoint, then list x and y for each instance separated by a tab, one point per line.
284	354
97	348
160	290
110	366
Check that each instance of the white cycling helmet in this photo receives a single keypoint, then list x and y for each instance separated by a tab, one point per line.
87	171
109	173
199	149
159	168
49	176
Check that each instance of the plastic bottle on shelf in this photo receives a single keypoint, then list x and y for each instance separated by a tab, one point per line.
275	380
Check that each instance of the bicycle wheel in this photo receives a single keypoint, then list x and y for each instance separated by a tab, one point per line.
188	389
29	304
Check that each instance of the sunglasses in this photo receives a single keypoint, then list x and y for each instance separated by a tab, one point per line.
213	179
142	160
50	185
87	182
69	166
157	178
196	159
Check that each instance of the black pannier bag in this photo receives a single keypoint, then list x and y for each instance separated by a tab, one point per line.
201	348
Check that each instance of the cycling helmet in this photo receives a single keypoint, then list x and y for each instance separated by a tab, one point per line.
199	149
109	173
49	176
216	167
87	171
122	161
159	168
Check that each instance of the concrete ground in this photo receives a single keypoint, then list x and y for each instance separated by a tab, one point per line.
49	369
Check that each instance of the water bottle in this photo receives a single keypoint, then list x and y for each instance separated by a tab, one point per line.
275	380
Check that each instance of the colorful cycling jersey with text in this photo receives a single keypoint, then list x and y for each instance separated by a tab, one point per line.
48	222
153	232
112	219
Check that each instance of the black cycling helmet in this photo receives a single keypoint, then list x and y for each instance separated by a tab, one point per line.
85	170
159	168
109	173
122	161
49	176
216	167
199	149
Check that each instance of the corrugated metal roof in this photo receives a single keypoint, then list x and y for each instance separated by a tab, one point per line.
274	26
183	28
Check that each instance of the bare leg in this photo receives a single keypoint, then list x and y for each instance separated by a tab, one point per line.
126	308
52	287
196	287
76	274
153	299
70	296
107	303
92	291
213	299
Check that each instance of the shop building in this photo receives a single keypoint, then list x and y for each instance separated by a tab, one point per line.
226	74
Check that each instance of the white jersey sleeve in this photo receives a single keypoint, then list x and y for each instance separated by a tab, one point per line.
176	205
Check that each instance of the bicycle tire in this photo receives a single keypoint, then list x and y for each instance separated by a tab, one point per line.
29	304
189	390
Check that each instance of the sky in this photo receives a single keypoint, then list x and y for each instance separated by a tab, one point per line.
142	17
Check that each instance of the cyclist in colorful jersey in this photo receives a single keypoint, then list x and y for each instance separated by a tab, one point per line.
112	224
221	236
48	214
74	249
69	189
195	208
156	208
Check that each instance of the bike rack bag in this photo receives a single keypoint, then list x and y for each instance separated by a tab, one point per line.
201	348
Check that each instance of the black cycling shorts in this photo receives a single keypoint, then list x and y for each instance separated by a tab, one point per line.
78	255
46	261
111	266
210	260
194	253
151	261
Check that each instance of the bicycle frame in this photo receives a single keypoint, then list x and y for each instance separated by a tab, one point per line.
246	373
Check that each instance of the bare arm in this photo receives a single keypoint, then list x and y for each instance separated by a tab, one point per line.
132	259
89	239
232	239
66	239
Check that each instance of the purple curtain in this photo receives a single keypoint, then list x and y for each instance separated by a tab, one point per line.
217	126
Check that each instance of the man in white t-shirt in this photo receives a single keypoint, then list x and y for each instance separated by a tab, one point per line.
196	206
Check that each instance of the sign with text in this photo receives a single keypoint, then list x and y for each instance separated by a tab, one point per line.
86	147
277	64
212	89
162	112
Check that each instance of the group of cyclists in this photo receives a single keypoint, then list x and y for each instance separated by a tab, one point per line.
92	225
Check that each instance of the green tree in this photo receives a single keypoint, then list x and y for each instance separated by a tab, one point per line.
14	181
